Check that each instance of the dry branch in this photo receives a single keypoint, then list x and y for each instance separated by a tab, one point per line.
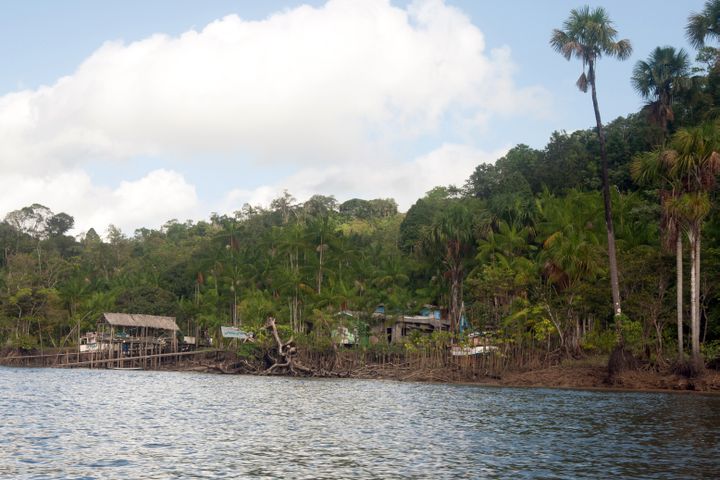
286	361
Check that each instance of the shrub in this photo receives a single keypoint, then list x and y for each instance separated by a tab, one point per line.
633	334
23	342
711	353
599	341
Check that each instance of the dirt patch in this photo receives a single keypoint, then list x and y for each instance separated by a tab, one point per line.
588	376
559	376
588	373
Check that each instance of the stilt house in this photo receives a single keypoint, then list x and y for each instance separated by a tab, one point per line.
134	335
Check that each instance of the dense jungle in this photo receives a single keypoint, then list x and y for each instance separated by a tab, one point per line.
527	253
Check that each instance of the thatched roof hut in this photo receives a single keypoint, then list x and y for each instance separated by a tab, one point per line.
139	320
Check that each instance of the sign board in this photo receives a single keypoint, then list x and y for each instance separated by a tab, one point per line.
233	332
89	347
479	350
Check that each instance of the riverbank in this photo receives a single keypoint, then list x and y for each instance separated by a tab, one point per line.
595	377
587	373
582	377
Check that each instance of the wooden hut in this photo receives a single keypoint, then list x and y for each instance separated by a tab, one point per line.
125	335
425	324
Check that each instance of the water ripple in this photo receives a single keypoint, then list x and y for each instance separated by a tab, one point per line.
84	424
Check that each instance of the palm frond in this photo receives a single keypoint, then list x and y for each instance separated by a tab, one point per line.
621	49
559	41
647	168
582	83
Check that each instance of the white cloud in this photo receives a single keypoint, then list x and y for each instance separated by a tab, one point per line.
405	182
305	85
148	202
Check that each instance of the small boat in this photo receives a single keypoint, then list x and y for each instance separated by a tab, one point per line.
125	368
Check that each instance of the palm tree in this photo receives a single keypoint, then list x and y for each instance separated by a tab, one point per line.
291	242
505	243
652	168
704	24
658	78
450	237
588	35
694	159
320	230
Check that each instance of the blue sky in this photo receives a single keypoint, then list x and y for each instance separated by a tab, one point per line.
113	112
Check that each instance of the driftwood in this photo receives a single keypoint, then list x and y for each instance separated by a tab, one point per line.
286	361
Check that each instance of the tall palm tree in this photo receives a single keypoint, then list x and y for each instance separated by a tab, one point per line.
450	238
704	24
658	78
291	242
588	35
694	158
652	168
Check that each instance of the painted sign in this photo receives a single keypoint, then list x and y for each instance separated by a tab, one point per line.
479	350
89	347
233	332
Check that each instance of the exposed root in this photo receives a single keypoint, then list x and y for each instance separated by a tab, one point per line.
621	359
688	368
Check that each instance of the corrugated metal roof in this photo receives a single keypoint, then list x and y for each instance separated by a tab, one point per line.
426	319
139	320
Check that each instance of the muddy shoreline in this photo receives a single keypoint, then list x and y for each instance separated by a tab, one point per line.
595	378
581	375
587	374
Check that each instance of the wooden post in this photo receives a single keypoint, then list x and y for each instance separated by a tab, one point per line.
111	353
175	346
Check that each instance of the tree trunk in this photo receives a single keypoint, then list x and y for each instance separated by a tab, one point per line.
614	282
321	248
234	307
287	352
679	287
695	334
693	290
455	298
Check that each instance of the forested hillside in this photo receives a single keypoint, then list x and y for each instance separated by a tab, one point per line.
520	249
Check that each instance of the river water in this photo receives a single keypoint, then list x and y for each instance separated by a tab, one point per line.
136	424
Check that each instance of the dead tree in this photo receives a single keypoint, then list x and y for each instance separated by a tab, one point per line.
286	361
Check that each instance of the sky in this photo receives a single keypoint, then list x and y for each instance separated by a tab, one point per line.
133	113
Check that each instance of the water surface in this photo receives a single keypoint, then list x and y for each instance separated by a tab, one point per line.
135	424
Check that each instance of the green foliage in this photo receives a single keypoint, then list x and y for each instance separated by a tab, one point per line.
599	341
711	351
248	350
148	299
23	342
436	341
369	209
528	322
632	332
255	307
